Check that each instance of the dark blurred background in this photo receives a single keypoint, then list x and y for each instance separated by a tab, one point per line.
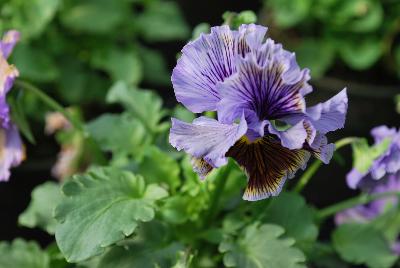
75	49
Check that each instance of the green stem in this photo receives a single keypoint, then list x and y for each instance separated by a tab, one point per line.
352	202
216	195
50	102
309	173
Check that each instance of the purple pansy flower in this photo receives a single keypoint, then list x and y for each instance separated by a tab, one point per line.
11	148
257	90
388	162
366	213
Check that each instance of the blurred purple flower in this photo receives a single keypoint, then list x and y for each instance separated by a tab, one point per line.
11	148
11	151
258	91
387	163
366	213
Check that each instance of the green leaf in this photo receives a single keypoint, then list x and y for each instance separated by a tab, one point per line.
35	63
157	166
360	54
101	208
261	246
199	29
317	55
155	69
29	17
236	19
357	16
288	13
364	155
323	255
123	65
19	118
389	222
148	249
162	21
397	59
363	244
40	211
192	199
23	254
290	211
143	104
183	114
185	259
79	84
120	134
94	16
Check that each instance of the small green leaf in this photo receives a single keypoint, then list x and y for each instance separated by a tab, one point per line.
80	84
185	259
323	255
183	114
162	21
94	16
101	208
290	211
364	155
316	54
360	54
35	63
23	254
359	16
155	68
363	244
260	246
148	249
234	19
119	134
397	59
288	13
123	65
39	213
157	166
199	29
389	222
29	17
143	104
19	118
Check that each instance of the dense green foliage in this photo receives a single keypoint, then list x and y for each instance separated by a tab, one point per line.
360	33
135	202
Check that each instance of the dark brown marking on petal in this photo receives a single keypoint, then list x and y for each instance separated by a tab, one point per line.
267	165
201	167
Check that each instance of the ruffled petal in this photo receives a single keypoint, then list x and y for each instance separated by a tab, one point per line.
292	138
8	42
324	117
206	138
321	149
11	151
264	92
382	132
354	177
267	165
8	73
209	60
387	163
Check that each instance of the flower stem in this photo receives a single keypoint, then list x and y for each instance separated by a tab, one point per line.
362	199
216	195
50	102
309	173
